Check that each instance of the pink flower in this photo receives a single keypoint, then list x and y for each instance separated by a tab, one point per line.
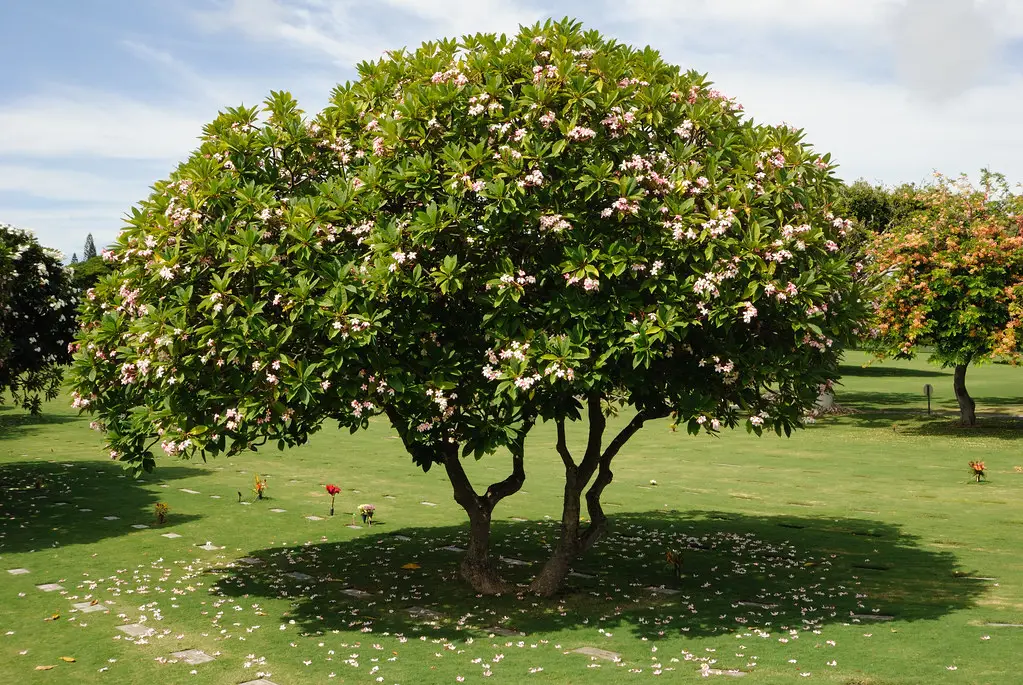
580	133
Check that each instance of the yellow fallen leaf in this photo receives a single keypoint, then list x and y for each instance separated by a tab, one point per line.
411	566
43	668
52	618
69	659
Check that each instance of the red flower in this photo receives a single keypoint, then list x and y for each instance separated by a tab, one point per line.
333	490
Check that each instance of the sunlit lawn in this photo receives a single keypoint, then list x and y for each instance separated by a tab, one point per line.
856	552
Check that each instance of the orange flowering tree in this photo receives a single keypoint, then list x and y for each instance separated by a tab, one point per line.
950	276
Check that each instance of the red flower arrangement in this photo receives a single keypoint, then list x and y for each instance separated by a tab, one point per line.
333	491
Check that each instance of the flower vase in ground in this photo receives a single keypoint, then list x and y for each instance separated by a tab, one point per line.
260	487
332	490
367	511
977	468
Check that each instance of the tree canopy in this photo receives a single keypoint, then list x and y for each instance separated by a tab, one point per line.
37	318
950	276
475	236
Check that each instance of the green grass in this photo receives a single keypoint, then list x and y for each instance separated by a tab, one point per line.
783	542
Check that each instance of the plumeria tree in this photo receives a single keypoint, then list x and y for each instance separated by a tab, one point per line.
471	238
950	276
37	318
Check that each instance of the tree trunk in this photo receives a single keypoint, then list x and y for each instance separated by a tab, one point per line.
967	407
477	568
573	542
553	573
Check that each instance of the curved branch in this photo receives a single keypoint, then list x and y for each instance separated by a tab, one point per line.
513	483
598	519
566	456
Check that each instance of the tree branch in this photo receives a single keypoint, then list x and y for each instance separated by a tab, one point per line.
598	520
566	456
464	493
594	438
513	483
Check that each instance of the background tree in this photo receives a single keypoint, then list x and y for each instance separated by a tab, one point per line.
473	237
90	248
86	274
37	319
950	275
876	207
74	257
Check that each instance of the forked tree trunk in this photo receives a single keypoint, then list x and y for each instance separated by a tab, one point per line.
967	407
476	568
573	540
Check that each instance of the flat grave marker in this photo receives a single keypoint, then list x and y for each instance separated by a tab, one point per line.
50	587
597	653
136	630
89	607
192	656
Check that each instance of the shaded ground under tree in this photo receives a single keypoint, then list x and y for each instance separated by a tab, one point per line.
40	501
738	572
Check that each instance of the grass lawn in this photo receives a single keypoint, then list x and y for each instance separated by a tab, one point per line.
857	552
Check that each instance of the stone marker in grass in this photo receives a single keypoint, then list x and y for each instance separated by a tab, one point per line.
111	518
136	630
139	526
278	511
353	592
420	612
511	561
453	548
17	571
170	536
503	632
209	547
89	607
315	518
192	656
251	561
598	653
298	575
190	492
261	681
50	587
428	504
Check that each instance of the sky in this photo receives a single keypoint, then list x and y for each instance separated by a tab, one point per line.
101	98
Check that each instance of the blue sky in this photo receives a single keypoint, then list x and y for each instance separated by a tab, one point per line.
100	98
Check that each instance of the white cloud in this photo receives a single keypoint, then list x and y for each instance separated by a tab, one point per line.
943	47
74	123
349	31
70	186
65	229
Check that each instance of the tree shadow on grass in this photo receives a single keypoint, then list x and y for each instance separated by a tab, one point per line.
16	423
940	423
740	572
881	371
41	502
